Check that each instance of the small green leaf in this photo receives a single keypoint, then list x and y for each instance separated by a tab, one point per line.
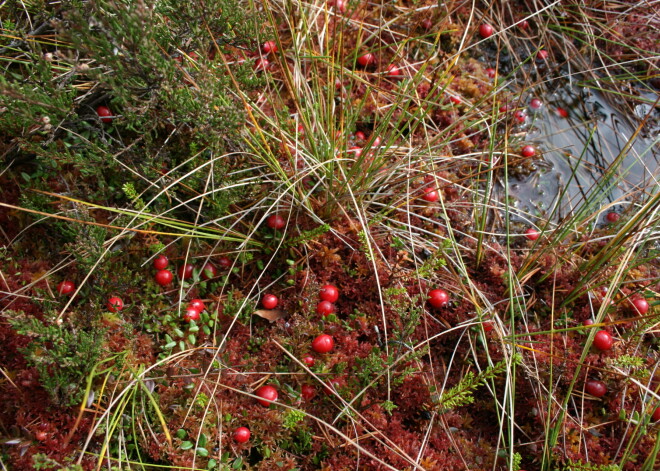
181	433
202	440
192	339
193	328
206	330
187	445
170	345
237	463
212	464
178	332
203	452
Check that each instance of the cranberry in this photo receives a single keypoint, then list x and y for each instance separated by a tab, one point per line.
209	271
275	221
261	64
325	308
393	71
339	5
532	234
357	150
490	72
528	151
307	392
640	305
197	304
329	293
115	304
542	55
191	314
535	104
104	113
268	47
267	394
164	277
438	298
455	99
488	326
520	116
323	343
66	287
366	59
656	415
595	388
612	217
524	25
485	31
603	340
562	112
269	301
224	262
427	24
359	135
333	385
185	271
587	322
161	262
308	360
241	434
430	195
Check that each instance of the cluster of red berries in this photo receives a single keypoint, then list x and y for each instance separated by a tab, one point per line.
329	295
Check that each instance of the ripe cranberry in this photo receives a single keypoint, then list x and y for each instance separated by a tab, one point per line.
309	360
191	314
377	141
359	135
115	304
562	112
528	151
485	31
366	59
535	104
209	271
542	55
307	392
393	71
224	262
161	262
455	99
325	308
430	195
267	394
241	434
339	5
333	384
329	293
427	24
524	25
504	108
587	322
268	47
269	301
532	234
603	340
488	326
66	287
275	221
595	388
185	271
641	306
164	277
438	298
612	217
520	116
197	304
41	436
104	113
656	415
356	150
490	72
323	343
261	64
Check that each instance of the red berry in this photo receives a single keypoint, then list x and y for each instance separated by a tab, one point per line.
329	293
542	55
325	308
485	31
532	234
185	271
275	221
241	434
269	301
535	104
430	195
339	5
524	25
641	305
333	385
656	415
66	287
224	262
357	150
161	262
209	271
603	340
393	71
490	72
520	116
562	112
595	388
612	217
197	304
267	394
359	135
115	304
41	435
261	64
455	99
488	326
268	47
427	24
366	59
438	298
104	113
528	151
309	360
323	343
191	314
588	322
164	277
307	392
